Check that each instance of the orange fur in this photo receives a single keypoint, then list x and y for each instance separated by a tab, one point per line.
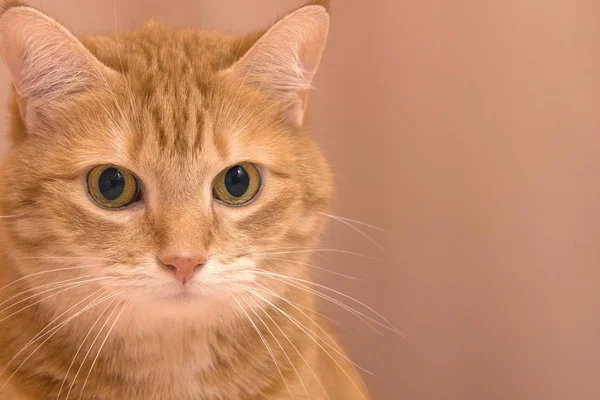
175	107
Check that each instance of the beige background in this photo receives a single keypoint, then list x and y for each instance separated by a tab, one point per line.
471	131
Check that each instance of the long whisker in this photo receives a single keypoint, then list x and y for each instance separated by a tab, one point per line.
312	337
361	316
81	346
71	286
56	330
262	338
67	258
358	230
272	293
335	348
43	333
317	251
303	249
321	315
43	272
315	267
295	348
125	304
377	228
52	285
278	343
390	326
93	343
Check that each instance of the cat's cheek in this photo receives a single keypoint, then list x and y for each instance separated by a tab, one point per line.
27	230
308	224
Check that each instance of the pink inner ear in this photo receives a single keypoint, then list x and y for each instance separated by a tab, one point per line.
45	61
285	59
13	56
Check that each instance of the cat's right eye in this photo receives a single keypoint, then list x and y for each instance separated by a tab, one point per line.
113	187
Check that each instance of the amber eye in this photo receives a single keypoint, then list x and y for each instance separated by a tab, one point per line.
113	187
237	185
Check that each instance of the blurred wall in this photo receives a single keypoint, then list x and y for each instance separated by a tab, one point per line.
471	132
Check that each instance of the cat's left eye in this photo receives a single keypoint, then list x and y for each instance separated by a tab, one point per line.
237	185
113	187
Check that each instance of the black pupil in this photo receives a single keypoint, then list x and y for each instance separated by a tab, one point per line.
111	184
237	181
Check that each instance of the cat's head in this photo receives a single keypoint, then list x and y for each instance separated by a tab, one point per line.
162	164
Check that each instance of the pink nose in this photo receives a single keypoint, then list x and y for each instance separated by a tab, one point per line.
183	263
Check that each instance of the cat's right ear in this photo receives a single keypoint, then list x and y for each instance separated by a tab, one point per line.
284	60
46	63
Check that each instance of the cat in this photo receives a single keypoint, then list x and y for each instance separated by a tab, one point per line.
160	200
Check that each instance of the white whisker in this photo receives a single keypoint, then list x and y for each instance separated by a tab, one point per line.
67	258
315	267
297	351
272	293
52	333
125	304
42	333
353	221
79	349
321	315
359	231
72	286
312	337
262	338
389	326
93	343
52	285
335	348
317	251
41	273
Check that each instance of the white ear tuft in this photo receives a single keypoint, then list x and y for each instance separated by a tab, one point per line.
285	59
46	62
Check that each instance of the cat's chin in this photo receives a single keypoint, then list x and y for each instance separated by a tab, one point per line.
181	303
178	295
183	296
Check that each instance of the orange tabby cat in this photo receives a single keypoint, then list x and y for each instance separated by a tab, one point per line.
160	201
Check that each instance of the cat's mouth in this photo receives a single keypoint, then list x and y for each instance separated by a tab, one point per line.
183	295
178	292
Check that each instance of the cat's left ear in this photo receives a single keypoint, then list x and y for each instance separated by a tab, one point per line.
285	59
